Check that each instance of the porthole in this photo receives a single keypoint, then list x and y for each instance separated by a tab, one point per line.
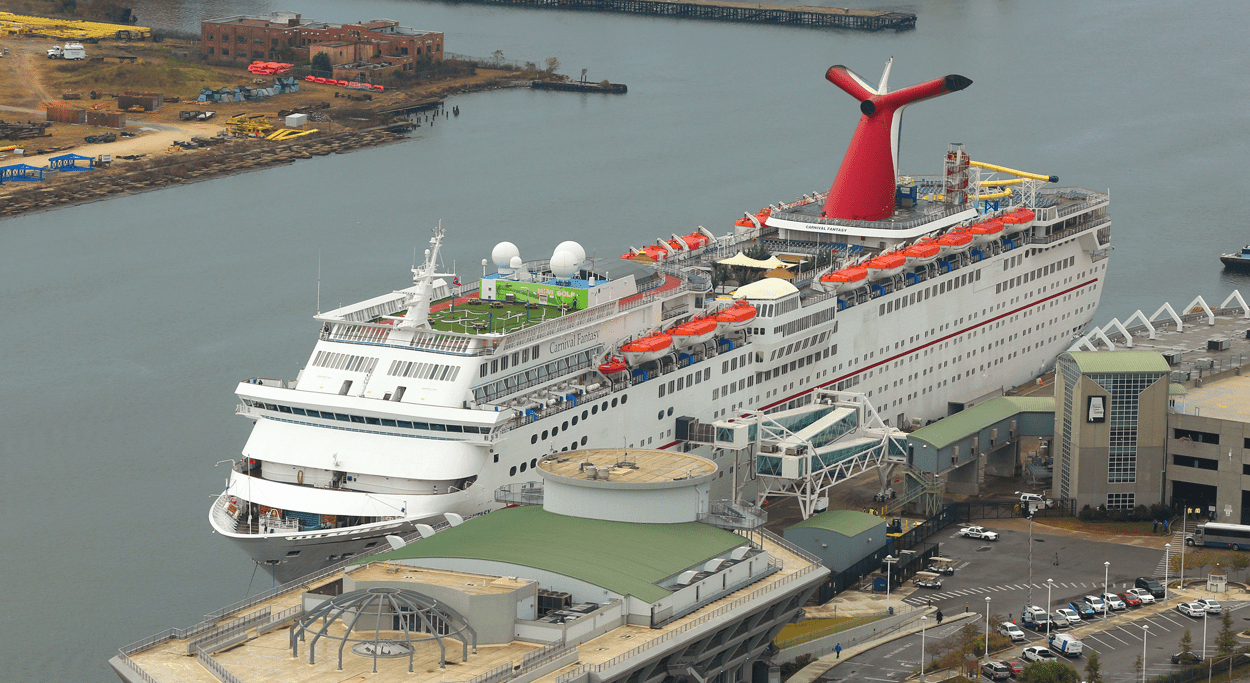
524	465
574	420
594	410
624	398
660	415
565	426
534	462
563	449
670	412
555	430
585	415
573	447
544	435
604	406
583	441
534	439
512	472
613	403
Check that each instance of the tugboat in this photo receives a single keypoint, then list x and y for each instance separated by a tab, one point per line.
1237	261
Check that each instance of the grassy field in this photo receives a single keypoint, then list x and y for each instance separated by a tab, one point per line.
509	318
184	79
1108	528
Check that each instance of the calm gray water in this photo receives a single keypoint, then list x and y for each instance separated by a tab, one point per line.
127	323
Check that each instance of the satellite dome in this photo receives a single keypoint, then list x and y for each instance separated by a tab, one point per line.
574	247
564	264
504	254
516	263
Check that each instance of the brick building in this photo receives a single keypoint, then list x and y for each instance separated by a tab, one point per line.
374	47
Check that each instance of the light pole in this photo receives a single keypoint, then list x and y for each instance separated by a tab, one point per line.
1167	560
923	623
1184	525
1106	569
987	628
1143	652
889	561
1204	631
1049	584
1030	560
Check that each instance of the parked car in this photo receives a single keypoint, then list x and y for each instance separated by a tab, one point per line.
1095	603
1016	666
1037	653
1082	608
1067	614
1143	594
995	671
1187	658
1210	605
978	532
1190	609
1129	599
1066	644
1155	588
1115	603
1035	501
1012	631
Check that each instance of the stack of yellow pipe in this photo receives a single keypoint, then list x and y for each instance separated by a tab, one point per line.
66	28
288	134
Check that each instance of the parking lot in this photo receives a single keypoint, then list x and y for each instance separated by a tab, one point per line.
999	570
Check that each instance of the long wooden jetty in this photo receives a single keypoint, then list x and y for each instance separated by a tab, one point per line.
818	17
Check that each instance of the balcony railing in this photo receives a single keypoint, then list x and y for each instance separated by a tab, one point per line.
528	493
734	514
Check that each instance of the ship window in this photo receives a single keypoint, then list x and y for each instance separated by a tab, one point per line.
373	421
503	363
399	393
420	425
534	352
594	410
533	439
512	472
574	420
516	355
681	383
659	415
434	426
545	434
454	428
555	430
270	406
496	457
293	553
613	403
671	386
298	411
341	417
525	355
624	398
565	426
583	441
388	423
585	415
604	406
524	465
494	366
482	370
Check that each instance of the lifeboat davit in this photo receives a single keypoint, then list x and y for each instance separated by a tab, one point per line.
847	278
761	217
954	242
886	265
735	317
647	348
984	233
612	366
1017	221
922	253
694	332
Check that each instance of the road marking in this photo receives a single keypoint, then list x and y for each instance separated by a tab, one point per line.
1097	640
1108	634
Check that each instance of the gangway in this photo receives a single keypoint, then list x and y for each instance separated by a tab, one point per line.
928	488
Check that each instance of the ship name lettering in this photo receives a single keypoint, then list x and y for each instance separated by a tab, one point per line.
573	340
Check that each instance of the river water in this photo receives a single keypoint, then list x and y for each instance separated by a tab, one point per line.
128	322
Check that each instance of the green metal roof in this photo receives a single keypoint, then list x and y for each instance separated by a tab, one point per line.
1175	389
1119	361
845	522
948	430
623	557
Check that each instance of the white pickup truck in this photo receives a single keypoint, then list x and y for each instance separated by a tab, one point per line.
978	532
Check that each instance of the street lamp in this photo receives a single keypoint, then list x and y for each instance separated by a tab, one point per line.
1143	652
1204	632
1106	569
1167	560
987	628
923	623
1049	585
889	561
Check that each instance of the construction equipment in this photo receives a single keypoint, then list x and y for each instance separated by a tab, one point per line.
249	125
285	134
103	137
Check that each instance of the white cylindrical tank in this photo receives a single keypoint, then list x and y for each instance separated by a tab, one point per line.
628	485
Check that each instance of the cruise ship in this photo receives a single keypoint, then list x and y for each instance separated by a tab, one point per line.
923	293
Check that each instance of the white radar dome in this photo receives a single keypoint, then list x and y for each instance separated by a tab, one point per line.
504	254
574	247
564	264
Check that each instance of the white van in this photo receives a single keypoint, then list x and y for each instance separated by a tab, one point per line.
1035	501
1067	645
1012	631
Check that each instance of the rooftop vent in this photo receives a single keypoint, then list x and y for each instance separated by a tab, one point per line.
1218	344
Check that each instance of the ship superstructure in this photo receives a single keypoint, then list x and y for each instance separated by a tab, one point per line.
417	405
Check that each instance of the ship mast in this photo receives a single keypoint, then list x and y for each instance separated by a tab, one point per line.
418	315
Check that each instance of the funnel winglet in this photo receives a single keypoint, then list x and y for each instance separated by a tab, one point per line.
864	186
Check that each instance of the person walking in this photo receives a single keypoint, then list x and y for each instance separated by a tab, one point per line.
837	650
1154	526
938	616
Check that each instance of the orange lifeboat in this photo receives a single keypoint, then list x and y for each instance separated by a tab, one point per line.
984	233
695	240
922	253
761	218
735	317
613	365
847	278
647	348
886	265
954	242
1017	221
693	332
